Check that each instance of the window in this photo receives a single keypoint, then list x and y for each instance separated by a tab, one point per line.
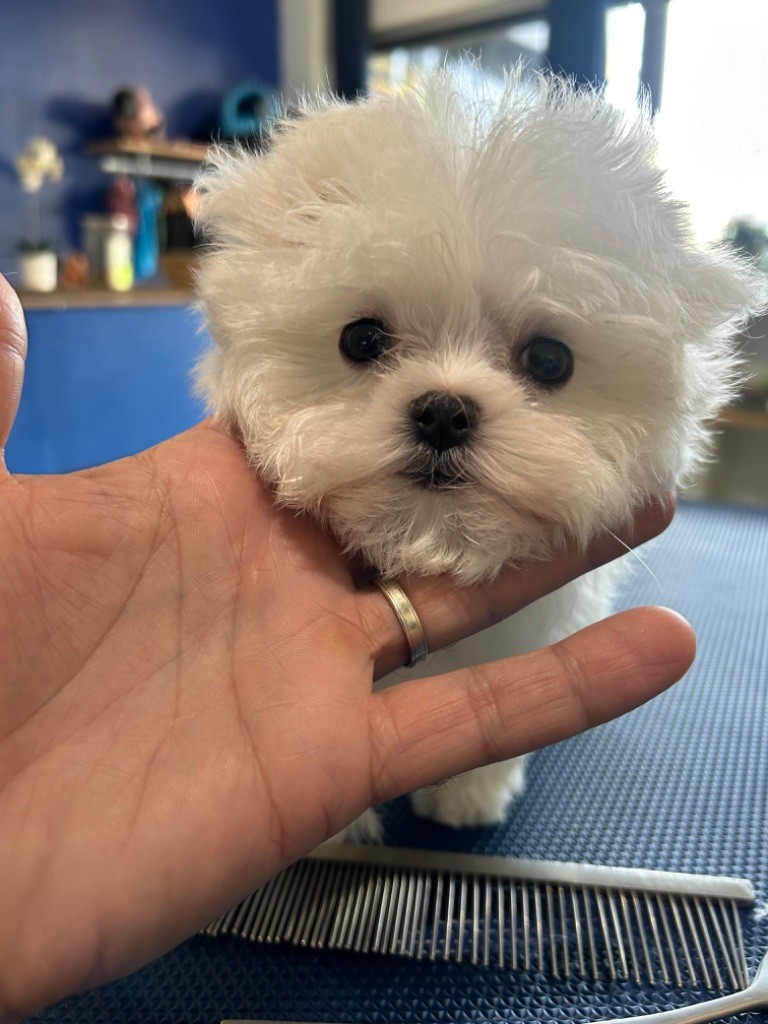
708	69
713	122
494	48
624	38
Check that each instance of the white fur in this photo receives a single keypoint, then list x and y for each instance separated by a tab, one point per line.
468	224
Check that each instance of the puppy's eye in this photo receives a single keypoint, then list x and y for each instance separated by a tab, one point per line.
364	341
547	361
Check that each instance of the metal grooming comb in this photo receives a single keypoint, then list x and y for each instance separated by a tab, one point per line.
755	997
561	918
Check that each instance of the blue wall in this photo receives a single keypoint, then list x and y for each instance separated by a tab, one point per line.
103	383
61	62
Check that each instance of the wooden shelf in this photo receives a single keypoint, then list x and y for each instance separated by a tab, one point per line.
171	149
169	159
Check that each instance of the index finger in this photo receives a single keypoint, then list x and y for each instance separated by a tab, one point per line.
13	351
433	728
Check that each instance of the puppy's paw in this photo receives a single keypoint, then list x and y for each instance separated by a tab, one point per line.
459	810
480	797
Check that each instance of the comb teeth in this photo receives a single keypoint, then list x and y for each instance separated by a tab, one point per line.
563	928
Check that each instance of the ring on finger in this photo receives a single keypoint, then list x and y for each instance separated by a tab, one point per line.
408	619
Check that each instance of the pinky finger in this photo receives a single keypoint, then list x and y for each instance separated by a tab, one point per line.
430	729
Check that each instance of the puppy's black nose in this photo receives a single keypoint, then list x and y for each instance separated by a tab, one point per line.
444	421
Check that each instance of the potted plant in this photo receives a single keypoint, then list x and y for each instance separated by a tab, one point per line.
40	162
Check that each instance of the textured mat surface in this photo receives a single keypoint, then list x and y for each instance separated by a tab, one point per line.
679	784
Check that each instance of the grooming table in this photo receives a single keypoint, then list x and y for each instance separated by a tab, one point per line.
679	784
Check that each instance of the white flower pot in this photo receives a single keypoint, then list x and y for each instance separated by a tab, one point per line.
38	271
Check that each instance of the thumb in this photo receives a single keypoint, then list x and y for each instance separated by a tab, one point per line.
13	349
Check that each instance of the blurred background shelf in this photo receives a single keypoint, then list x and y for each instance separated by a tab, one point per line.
745	419
166	159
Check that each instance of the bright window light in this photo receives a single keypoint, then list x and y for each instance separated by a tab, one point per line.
624	29
713	122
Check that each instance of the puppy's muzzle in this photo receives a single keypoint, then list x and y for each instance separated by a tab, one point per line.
444	421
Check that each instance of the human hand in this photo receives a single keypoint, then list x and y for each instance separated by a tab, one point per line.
185	695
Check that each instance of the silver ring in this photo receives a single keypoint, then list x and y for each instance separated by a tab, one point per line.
408	619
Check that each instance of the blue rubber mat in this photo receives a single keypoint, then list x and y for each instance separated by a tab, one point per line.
679	784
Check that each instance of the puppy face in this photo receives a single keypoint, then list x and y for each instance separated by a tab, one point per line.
462	330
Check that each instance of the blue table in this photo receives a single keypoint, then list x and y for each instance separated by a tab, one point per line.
103	383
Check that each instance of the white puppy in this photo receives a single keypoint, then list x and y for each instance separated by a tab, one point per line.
462	330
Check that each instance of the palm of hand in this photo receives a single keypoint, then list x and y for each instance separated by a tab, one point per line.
136	721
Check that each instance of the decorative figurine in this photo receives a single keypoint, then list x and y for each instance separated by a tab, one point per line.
135	115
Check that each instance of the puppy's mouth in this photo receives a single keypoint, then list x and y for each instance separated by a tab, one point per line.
435	474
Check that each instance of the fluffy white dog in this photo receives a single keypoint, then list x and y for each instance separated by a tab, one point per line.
462	330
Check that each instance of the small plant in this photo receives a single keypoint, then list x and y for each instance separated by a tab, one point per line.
40	162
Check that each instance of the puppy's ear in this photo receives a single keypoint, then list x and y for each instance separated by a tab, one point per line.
322	194
721	290
264	199
720	293
225	191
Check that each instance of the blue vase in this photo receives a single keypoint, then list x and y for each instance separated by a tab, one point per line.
147	246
